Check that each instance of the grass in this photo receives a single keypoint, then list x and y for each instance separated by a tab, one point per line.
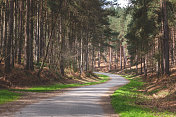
124	101
55	87
8	96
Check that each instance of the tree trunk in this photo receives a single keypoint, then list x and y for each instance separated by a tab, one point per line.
27	36
38	34
137	64
87	52
124	57
62	39
41	29
1	33
110	58
166	39
21	32
121	56
81	54
99	57
116	59
145	66
31	66
141	65
172	51
6	29
10	38
93	53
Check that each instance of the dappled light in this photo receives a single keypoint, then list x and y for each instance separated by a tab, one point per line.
84	101
55	55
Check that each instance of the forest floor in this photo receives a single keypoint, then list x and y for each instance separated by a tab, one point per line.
20	78
158	93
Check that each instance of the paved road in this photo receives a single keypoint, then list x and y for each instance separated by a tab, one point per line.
77	102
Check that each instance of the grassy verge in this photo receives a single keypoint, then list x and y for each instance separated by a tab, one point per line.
125	99
7	96
55	87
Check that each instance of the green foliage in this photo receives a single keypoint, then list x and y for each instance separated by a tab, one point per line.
143	28
124	101
8	96
146	24
171	6
119	23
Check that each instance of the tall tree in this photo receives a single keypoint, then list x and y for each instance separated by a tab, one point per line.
166	37
10	38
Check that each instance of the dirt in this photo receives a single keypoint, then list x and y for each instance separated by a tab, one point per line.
161	91
106	104
165	98
20	78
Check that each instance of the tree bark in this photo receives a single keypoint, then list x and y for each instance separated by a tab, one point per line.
21	32
121	56
99	57
124	57
81	54
166	39
6	28
110	58
27	36
31	66
10	38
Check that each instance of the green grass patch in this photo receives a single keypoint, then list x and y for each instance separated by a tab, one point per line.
55	87
8	96
124	101
102	76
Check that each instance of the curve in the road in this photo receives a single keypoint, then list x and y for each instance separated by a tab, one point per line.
77	102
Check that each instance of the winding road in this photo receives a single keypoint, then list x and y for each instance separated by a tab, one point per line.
87	101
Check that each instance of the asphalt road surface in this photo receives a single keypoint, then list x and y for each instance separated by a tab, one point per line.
87	101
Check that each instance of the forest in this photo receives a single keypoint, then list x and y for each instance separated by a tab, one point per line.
146	36
58	34
47	41
78	35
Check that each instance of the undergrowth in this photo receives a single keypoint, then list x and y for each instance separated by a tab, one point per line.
55	87
125	99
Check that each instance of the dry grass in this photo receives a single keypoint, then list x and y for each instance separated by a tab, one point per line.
161	91
20	78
